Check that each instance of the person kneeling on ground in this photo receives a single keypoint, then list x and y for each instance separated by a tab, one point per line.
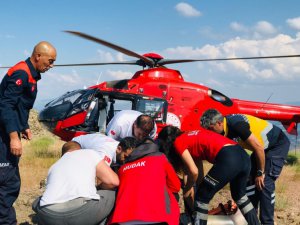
71	196
147	184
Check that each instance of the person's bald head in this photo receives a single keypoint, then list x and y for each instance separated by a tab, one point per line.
43	56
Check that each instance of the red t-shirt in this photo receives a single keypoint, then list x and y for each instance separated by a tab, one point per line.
203	144
146	192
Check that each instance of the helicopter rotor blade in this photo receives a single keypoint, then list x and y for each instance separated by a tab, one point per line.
147	61
172	61
132	62
98	64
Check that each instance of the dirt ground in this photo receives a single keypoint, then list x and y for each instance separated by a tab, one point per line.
287	198
34	171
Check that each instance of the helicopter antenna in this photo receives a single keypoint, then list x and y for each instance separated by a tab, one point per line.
99	78
267	101
296	139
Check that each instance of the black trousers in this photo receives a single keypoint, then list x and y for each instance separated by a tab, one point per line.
9	181
232	165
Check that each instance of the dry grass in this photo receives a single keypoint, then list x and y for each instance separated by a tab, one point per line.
38	155
41	153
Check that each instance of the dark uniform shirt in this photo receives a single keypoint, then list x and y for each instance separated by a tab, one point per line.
18	91
239	127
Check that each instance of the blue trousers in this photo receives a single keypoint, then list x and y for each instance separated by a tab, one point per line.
274	161
9	181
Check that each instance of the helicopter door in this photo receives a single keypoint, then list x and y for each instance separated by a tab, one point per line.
87	105
116	105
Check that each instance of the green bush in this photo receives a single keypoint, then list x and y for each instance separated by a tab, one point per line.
292	160
43	147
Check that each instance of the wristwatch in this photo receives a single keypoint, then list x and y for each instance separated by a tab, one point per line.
259	173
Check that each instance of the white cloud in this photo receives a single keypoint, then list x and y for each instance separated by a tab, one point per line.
187	10
105	56
243	71
260	30
264	27
294	23
238	27
72	79
119	74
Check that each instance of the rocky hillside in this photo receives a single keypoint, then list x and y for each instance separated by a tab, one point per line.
36	127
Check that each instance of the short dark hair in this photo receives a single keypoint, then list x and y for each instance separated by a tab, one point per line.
210	117
145	122
70	145
128	142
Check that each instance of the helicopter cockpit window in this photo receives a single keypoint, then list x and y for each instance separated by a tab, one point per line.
219	97
69	104
60	107
153	108
70	96
83	101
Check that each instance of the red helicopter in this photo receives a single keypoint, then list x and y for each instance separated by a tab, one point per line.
156	90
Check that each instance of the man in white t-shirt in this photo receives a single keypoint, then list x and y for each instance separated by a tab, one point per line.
130	123
109	149
105	146
71	196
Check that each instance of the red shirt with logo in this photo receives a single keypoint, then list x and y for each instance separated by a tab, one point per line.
146	192
203	144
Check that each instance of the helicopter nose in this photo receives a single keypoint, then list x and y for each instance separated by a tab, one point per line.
50	115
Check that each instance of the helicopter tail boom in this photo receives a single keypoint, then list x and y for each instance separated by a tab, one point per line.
288	115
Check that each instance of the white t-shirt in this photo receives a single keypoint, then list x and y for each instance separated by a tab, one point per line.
72	176
105	146
121	124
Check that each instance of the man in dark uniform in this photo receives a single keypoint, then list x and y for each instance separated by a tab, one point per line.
18	91
270	146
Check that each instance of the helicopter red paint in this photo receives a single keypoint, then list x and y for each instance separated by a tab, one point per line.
158	91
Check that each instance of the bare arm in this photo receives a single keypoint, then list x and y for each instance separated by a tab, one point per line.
259	152
109	179
199	165
192	169
192	176
188	191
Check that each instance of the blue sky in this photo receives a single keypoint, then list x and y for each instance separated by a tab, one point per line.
174	29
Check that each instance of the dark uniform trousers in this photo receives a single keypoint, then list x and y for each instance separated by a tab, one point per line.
9	181
274	161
